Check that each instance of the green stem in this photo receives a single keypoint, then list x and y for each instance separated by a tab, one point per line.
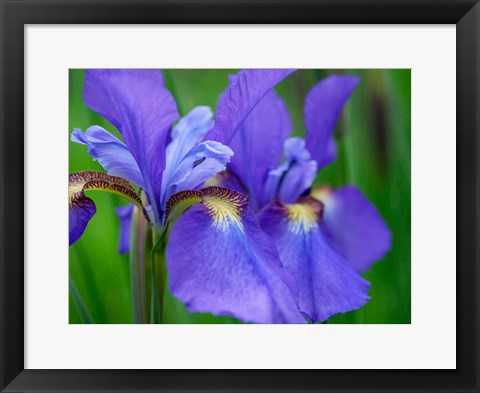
77	299
140	245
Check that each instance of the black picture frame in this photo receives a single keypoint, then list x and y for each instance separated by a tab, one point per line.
15	14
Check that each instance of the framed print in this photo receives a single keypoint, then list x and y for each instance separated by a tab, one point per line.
235	172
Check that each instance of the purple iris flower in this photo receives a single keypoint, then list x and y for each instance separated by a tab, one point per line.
324	237
219	259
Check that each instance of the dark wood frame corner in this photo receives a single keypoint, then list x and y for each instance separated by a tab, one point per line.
15	14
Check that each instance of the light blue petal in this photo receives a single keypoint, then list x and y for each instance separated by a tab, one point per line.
291	179
189	131
203	162
78	136
272	184
297	180
295	150
183	151
111	153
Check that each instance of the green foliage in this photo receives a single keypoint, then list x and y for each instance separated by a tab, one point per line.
373	141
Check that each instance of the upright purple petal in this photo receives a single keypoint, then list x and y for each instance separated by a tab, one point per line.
291	179
323	106
244	92
143	110
190	160
273	182
258	144
112	154
220	261
327	283
125	216
297	180
355	226
187	133
201	163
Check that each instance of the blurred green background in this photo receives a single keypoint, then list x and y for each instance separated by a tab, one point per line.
373	141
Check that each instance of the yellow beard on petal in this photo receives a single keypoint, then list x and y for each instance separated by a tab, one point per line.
225	207
303	216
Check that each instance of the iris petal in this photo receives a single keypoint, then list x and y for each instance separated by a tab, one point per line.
220	261
291	179
243	93
81	208
226	180
143	110
189	131
273	181
354	225
323	106
297	180
295	150
327	283
201	163
112	154
258	144
79	214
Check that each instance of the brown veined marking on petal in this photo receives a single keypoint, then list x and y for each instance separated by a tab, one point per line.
225	206
179	202
99	181
303	216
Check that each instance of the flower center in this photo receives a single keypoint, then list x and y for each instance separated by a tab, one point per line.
225	206
303	216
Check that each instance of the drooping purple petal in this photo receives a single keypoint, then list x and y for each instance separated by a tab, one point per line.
112	154
220	261
355	226
327	283
81	208
243	93
143	110
125	216
323	106
79	214
258	144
